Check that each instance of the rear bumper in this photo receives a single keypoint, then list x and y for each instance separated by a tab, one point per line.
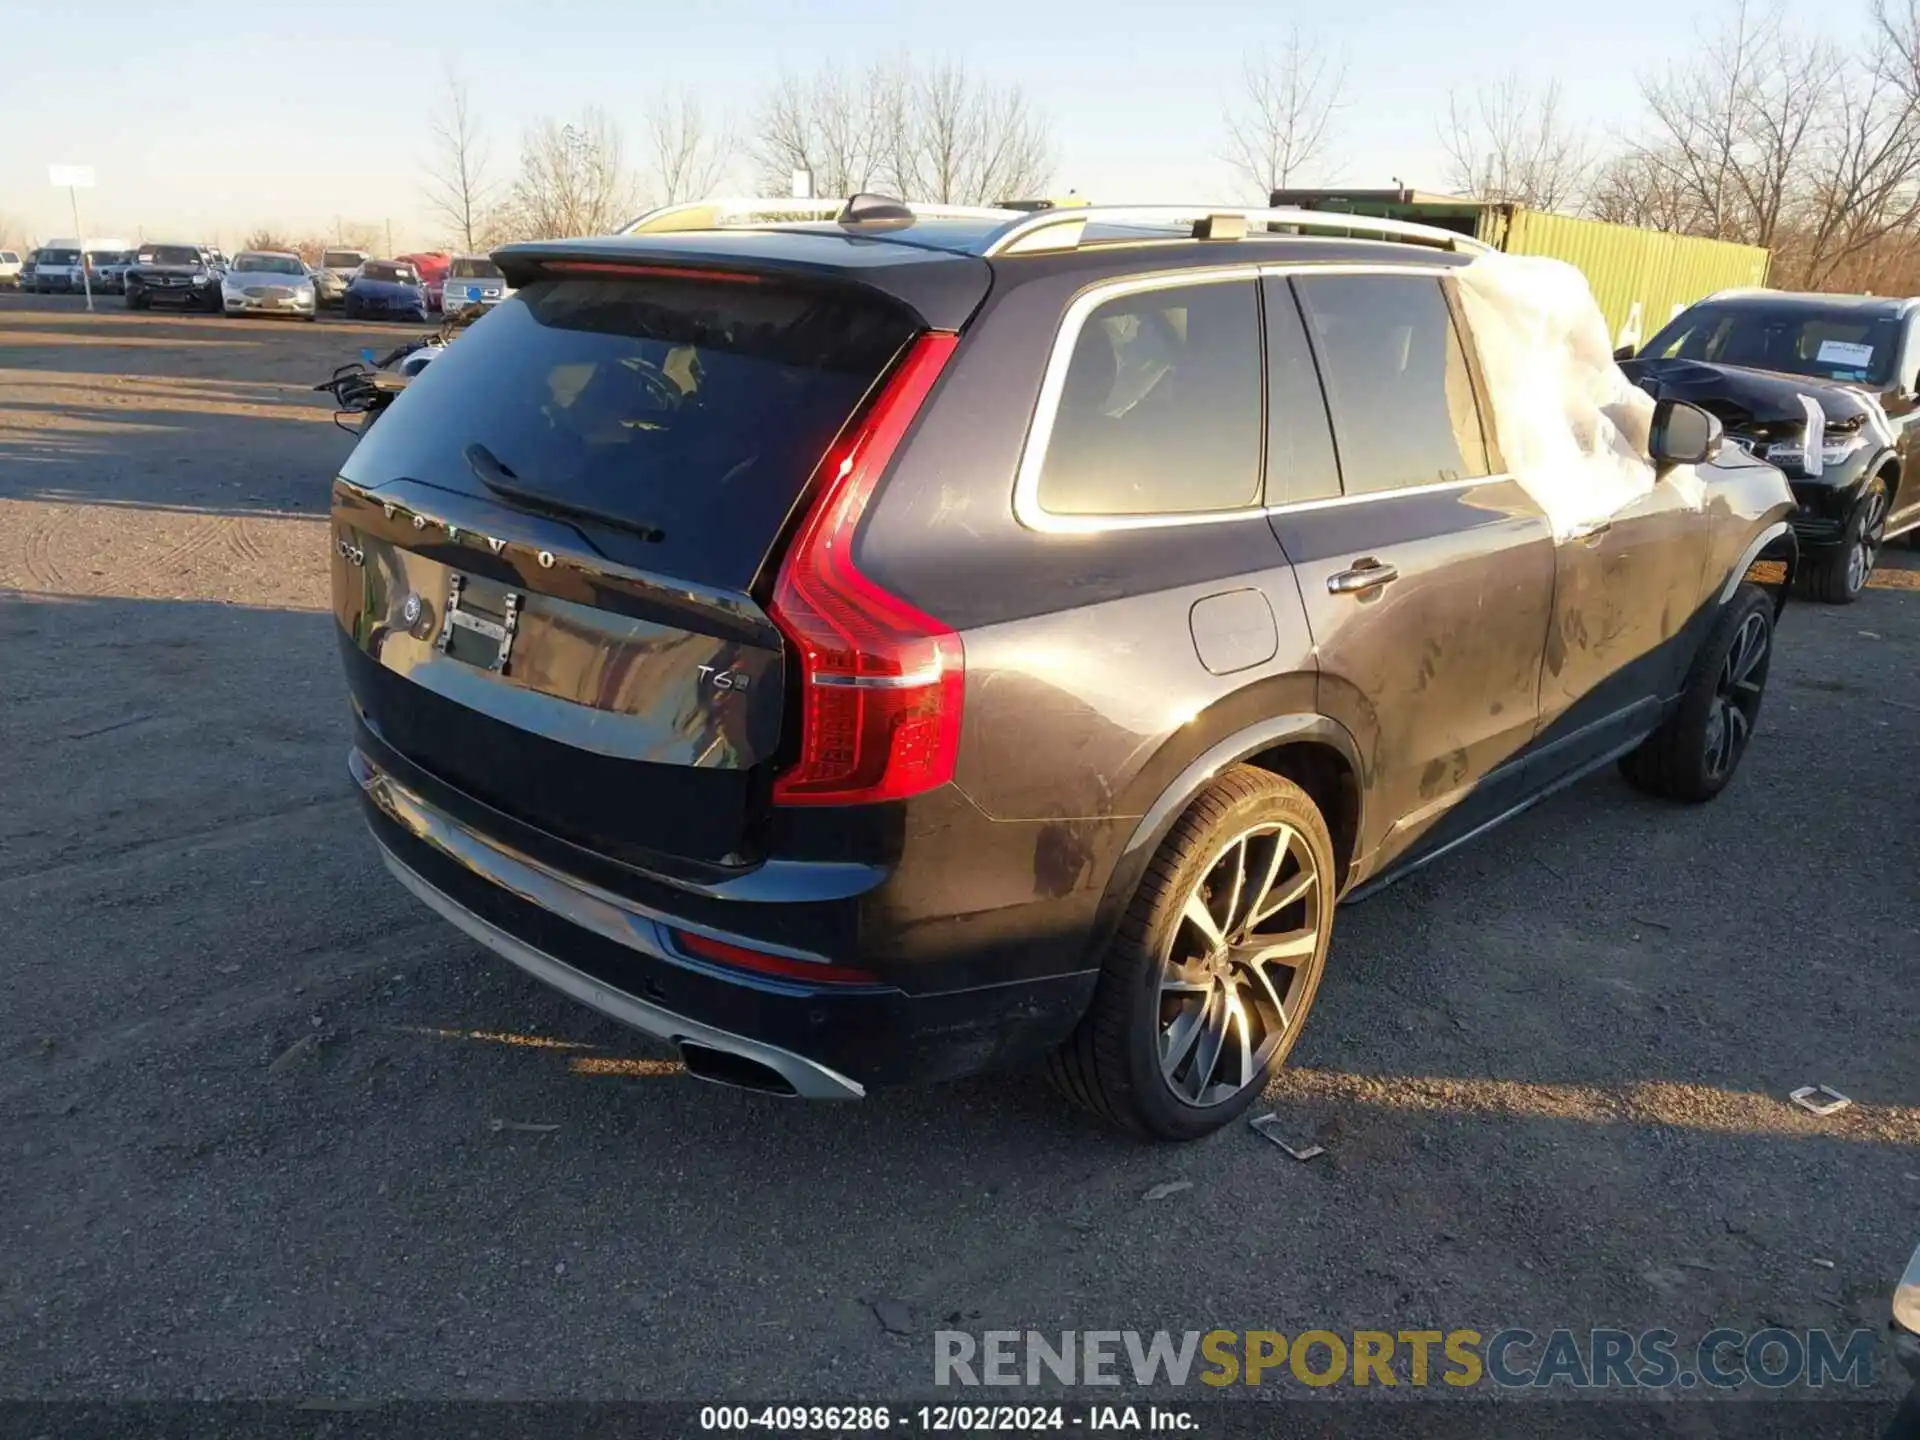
620	957
805	1078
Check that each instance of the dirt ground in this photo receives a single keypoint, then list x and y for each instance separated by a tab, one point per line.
249	1088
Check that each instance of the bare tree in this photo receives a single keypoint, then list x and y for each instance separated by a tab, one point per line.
1283	123
1775	138
459	192
926	132
1636	187
1863	184
573	179
13	233
1510	142
956	141
311	247
686	156
1736	126
265	237
829	124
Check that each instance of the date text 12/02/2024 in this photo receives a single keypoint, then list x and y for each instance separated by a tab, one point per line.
941	1419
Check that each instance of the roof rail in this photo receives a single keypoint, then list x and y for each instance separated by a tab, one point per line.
774	210
1063	229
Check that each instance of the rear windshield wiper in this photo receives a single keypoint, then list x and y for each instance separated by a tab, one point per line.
498	478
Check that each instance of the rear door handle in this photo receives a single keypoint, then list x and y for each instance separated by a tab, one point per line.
1366	574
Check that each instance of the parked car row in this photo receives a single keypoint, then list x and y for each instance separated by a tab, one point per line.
195	276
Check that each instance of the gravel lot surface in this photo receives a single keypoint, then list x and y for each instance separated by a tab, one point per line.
250	1089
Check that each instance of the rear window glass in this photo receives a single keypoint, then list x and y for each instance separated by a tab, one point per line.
1160	412
1396	378
475	270
59	257
696	408
389	273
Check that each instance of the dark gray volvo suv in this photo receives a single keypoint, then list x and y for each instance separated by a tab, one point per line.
876	651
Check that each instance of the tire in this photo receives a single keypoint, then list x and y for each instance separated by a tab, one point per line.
1159	986
1695	752
1839	577
133	301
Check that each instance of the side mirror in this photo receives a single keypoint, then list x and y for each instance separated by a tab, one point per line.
1683	434
1625	352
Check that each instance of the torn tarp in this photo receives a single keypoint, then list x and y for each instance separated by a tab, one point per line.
1573	430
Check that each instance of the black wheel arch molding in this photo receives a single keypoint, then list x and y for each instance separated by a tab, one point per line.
1304	731
1774	543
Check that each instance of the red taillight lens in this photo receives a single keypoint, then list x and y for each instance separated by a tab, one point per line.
881	683
721	952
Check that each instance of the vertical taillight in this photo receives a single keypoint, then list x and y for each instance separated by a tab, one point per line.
881	683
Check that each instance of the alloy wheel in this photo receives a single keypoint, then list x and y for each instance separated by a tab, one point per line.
1866	546
1736	695
1239	964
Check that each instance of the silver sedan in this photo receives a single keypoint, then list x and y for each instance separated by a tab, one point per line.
267	282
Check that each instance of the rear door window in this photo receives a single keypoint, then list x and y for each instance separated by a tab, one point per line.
1300	459
1397	382
693	408
1160	410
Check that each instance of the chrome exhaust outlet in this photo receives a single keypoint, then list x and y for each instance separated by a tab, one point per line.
742	1072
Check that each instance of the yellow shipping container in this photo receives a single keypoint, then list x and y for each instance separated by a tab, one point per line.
1640	277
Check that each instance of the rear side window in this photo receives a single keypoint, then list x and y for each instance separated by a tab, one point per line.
696	408
1160	412
1397	382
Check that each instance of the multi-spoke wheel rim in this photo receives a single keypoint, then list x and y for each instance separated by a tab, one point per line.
1873	533
1239	965
1736	696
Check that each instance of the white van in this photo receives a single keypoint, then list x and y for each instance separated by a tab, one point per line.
57	271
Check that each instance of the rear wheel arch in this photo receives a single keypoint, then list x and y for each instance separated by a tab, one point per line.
1315	752
1332	781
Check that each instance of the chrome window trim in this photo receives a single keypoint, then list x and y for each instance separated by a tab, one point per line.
1433	487
1033	515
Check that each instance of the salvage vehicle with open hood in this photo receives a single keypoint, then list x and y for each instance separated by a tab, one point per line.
878	647
1827	387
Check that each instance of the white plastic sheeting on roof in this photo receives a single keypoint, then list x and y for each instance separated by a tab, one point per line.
1572	429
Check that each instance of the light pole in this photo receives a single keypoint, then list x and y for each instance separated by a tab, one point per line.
76	178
